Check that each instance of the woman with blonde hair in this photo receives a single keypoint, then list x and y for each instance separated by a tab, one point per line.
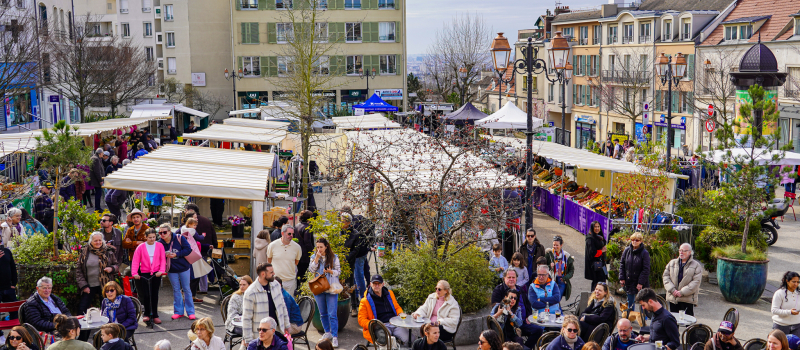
600	309
569	339
235	304
202	335
441	307
634	269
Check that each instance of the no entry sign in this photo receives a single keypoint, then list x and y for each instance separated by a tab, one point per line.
710	125
710	110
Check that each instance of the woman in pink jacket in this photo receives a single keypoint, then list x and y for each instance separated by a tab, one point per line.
147	267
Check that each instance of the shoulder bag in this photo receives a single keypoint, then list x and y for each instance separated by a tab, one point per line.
319	285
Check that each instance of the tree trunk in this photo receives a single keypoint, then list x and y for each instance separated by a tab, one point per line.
744	235
306	136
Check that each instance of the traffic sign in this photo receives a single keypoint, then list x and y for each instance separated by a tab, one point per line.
710	111
646	114
710	125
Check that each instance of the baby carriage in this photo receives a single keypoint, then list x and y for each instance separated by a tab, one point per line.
222	275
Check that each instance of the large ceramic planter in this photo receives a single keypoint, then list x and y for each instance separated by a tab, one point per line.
741	281
342	314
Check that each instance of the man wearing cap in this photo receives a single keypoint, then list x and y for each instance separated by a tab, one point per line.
724	339
794	341
43	206
380	304
98	171
135	234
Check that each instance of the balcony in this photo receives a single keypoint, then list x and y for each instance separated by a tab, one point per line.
168	17
158	13
626	77
595	41
123	10
686	36
644	39
160	64
583	41
791	93
666	37
172	71
627	39
612	40
146	9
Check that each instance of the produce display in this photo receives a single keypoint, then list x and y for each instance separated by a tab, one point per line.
585	196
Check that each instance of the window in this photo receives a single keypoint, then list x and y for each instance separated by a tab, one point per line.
352	4
612	35
627	33
596	31
249	4
171	65
126	30
96	29
321	32
745	31
677	136
283	65
322	4
283	4
251	66
148	29
148	53
170	39
687	28
354	65
584	35
668	30
567	31
21	4
250	33
550	93
644	32
796	26
147	5
151	80
321	66
385	4
386	31
388	65
123	6
612	62
168	14
285	32
731	33
353	32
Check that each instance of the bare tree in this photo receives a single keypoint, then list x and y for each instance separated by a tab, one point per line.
176	91
622	87
458	55
133	75
714	87
208	101
20	53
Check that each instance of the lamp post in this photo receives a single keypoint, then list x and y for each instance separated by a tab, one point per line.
501	52
368	74
528	65
559	58
235	76
670	73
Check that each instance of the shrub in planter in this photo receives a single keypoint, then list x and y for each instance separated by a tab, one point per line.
35	260
714	237
667	234
415	271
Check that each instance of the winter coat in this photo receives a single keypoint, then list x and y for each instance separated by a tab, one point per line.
98	171
204	225
541	295
255	306
295	317
560	344
634	268
597	314
594	243
116	197
448	313
81	277
177	264
260	250
357	243
216	343
39	315
530	264
117	345
689	286
8	270
569	270
277	344
366	309
234	309
126	313
306	241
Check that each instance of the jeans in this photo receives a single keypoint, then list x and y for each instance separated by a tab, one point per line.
631	302
148	293
87	298
790	187
561	286
358	274
533	332
328	304
9	295
180	282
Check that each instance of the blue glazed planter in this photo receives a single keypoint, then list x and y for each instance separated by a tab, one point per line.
740	281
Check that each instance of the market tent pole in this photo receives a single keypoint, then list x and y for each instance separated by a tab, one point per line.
610	193
257	226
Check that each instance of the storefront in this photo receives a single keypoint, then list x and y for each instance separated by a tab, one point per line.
352	97
328	104
18	109
252	99
678	131
585	131
789	123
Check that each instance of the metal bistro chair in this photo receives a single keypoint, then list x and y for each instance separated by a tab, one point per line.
139	312
34	334
545	339
379	334
599	334
732	316
97	341
755	344
455	334
22	309
698	346
492	324
582	303
696	333
308	306
229	336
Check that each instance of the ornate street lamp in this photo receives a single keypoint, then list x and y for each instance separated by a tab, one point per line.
368	74
559	58
671	74
234	77
501	53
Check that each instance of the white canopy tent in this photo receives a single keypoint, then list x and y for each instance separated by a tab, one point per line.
255	123
231	133
508	117
762	156
368	121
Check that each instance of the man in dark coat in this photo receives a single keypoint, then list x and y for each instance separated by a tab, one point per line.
305	239
98	171
217	208
42	306
531	251
204	225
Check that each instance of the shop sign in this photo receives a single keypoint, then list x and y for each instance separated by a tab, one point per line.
551	124
353	95
325	93
585	119
789	111
681	126
390	94
198	79
54	98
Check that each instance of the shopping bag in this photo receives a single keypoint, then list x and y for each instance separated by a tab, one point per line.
201	268
126	286
289	345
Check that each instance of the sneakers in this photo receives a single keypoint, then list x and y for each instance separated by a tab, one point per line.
192	317
353	313
335	342
145	318
176	316
327	336
157	320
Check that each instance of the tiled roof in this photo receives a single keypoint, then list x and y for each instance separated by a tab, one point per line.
746	19
510	87
685	5
780	10
577	16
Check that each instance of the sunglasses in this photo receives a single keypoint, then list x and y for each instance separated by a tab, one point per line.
104	220
480	342
512	298
110	291
531	236
265	330
11	337
439	289
163	232
572	330
542	274
636	240
602	283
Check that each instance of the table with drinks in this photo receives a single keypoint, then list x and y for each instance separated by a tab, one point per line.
683	319
403	321
547	320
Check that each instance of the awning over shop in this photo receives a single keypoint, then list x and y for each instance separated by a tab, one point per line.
255	123
197	171
231	133
508	117
158	111
187	110
368	121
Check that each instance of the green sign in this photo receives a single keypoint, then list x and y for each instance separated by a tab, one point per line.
29	164
253	95
355	93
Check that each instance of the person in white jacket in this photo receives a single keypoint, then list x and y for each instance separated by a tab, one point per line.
441	307
682	278
786	305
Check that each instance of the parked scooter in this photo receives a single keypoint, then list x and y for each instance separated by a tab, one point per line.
778	207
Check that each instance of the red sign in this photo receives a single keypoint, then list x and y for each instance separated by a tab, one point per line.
710	125
710	110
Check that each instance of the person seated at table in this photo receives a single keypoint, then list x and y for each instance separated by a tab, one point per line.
295	318
110	335
119	308
235	305
509	315
68	328
623	338
380	304
41	307
724	339
510	345
544	291
600	309
441	308
429	338
489	340
267	339
509	282
19	339
663	327
162	344
202	336
777	340
591	346
569	339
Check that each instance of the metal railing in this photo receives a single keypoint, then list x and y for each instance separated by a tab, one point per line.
612	39
584	41
123	10
596	41
791	93
686	36
644	39
626	77
627	39
666	37
146	9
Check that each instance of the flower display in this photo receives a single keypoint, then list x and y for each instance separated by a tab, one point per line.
236	220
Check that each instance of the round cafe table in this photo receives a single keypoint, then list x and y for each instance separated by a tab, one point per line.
547	324
687	320
95	323
409	323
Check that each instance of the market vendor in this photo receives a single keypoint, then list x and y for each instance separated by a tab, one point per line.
136	232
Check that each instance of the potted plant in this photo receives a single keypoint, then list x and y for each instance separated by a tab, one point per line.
237	226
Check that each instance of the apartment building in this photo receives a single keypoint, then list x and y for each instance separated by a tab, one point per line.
614	48
777	26
369	39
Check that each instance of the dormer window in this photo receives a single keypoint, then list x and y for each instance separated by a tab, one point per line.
667	30
738	32
731	33
686	26
745	31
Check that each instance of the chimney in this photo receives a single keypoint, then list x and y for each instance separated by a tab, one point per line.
608	10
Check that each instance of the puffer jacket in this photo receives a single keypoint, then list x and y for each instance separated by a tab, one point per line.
39	315
634	268
126	312
689	286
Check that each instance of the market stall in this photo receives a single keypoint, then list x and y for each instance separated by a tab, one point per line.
374	121
508	117
466	115
374	104
229	136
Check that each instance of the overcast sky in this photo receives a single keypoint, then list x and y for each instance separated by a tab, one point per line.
425	17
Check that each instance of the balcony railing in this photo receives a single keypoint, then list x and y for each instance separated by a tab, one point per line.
626	77
644	39
146	9
171	71
612	39
686	36
627	39
666	37
123	10
584	41
791	93
595	41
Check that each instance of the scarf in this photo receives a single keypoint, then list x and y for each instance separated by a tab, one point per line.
570	342
101	256
110	308
560	263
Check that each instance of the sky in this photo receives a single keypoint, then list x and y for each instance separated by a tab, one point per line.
425	17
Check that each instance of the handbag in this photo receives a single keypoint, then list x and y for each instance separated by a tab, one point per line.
335	288
319	285
598	265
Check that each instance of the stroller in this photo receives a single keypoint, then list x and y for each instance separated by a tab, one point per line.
222	275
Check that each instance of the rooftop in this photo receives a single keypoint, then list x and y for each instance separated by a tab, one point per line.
778	11
747	19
